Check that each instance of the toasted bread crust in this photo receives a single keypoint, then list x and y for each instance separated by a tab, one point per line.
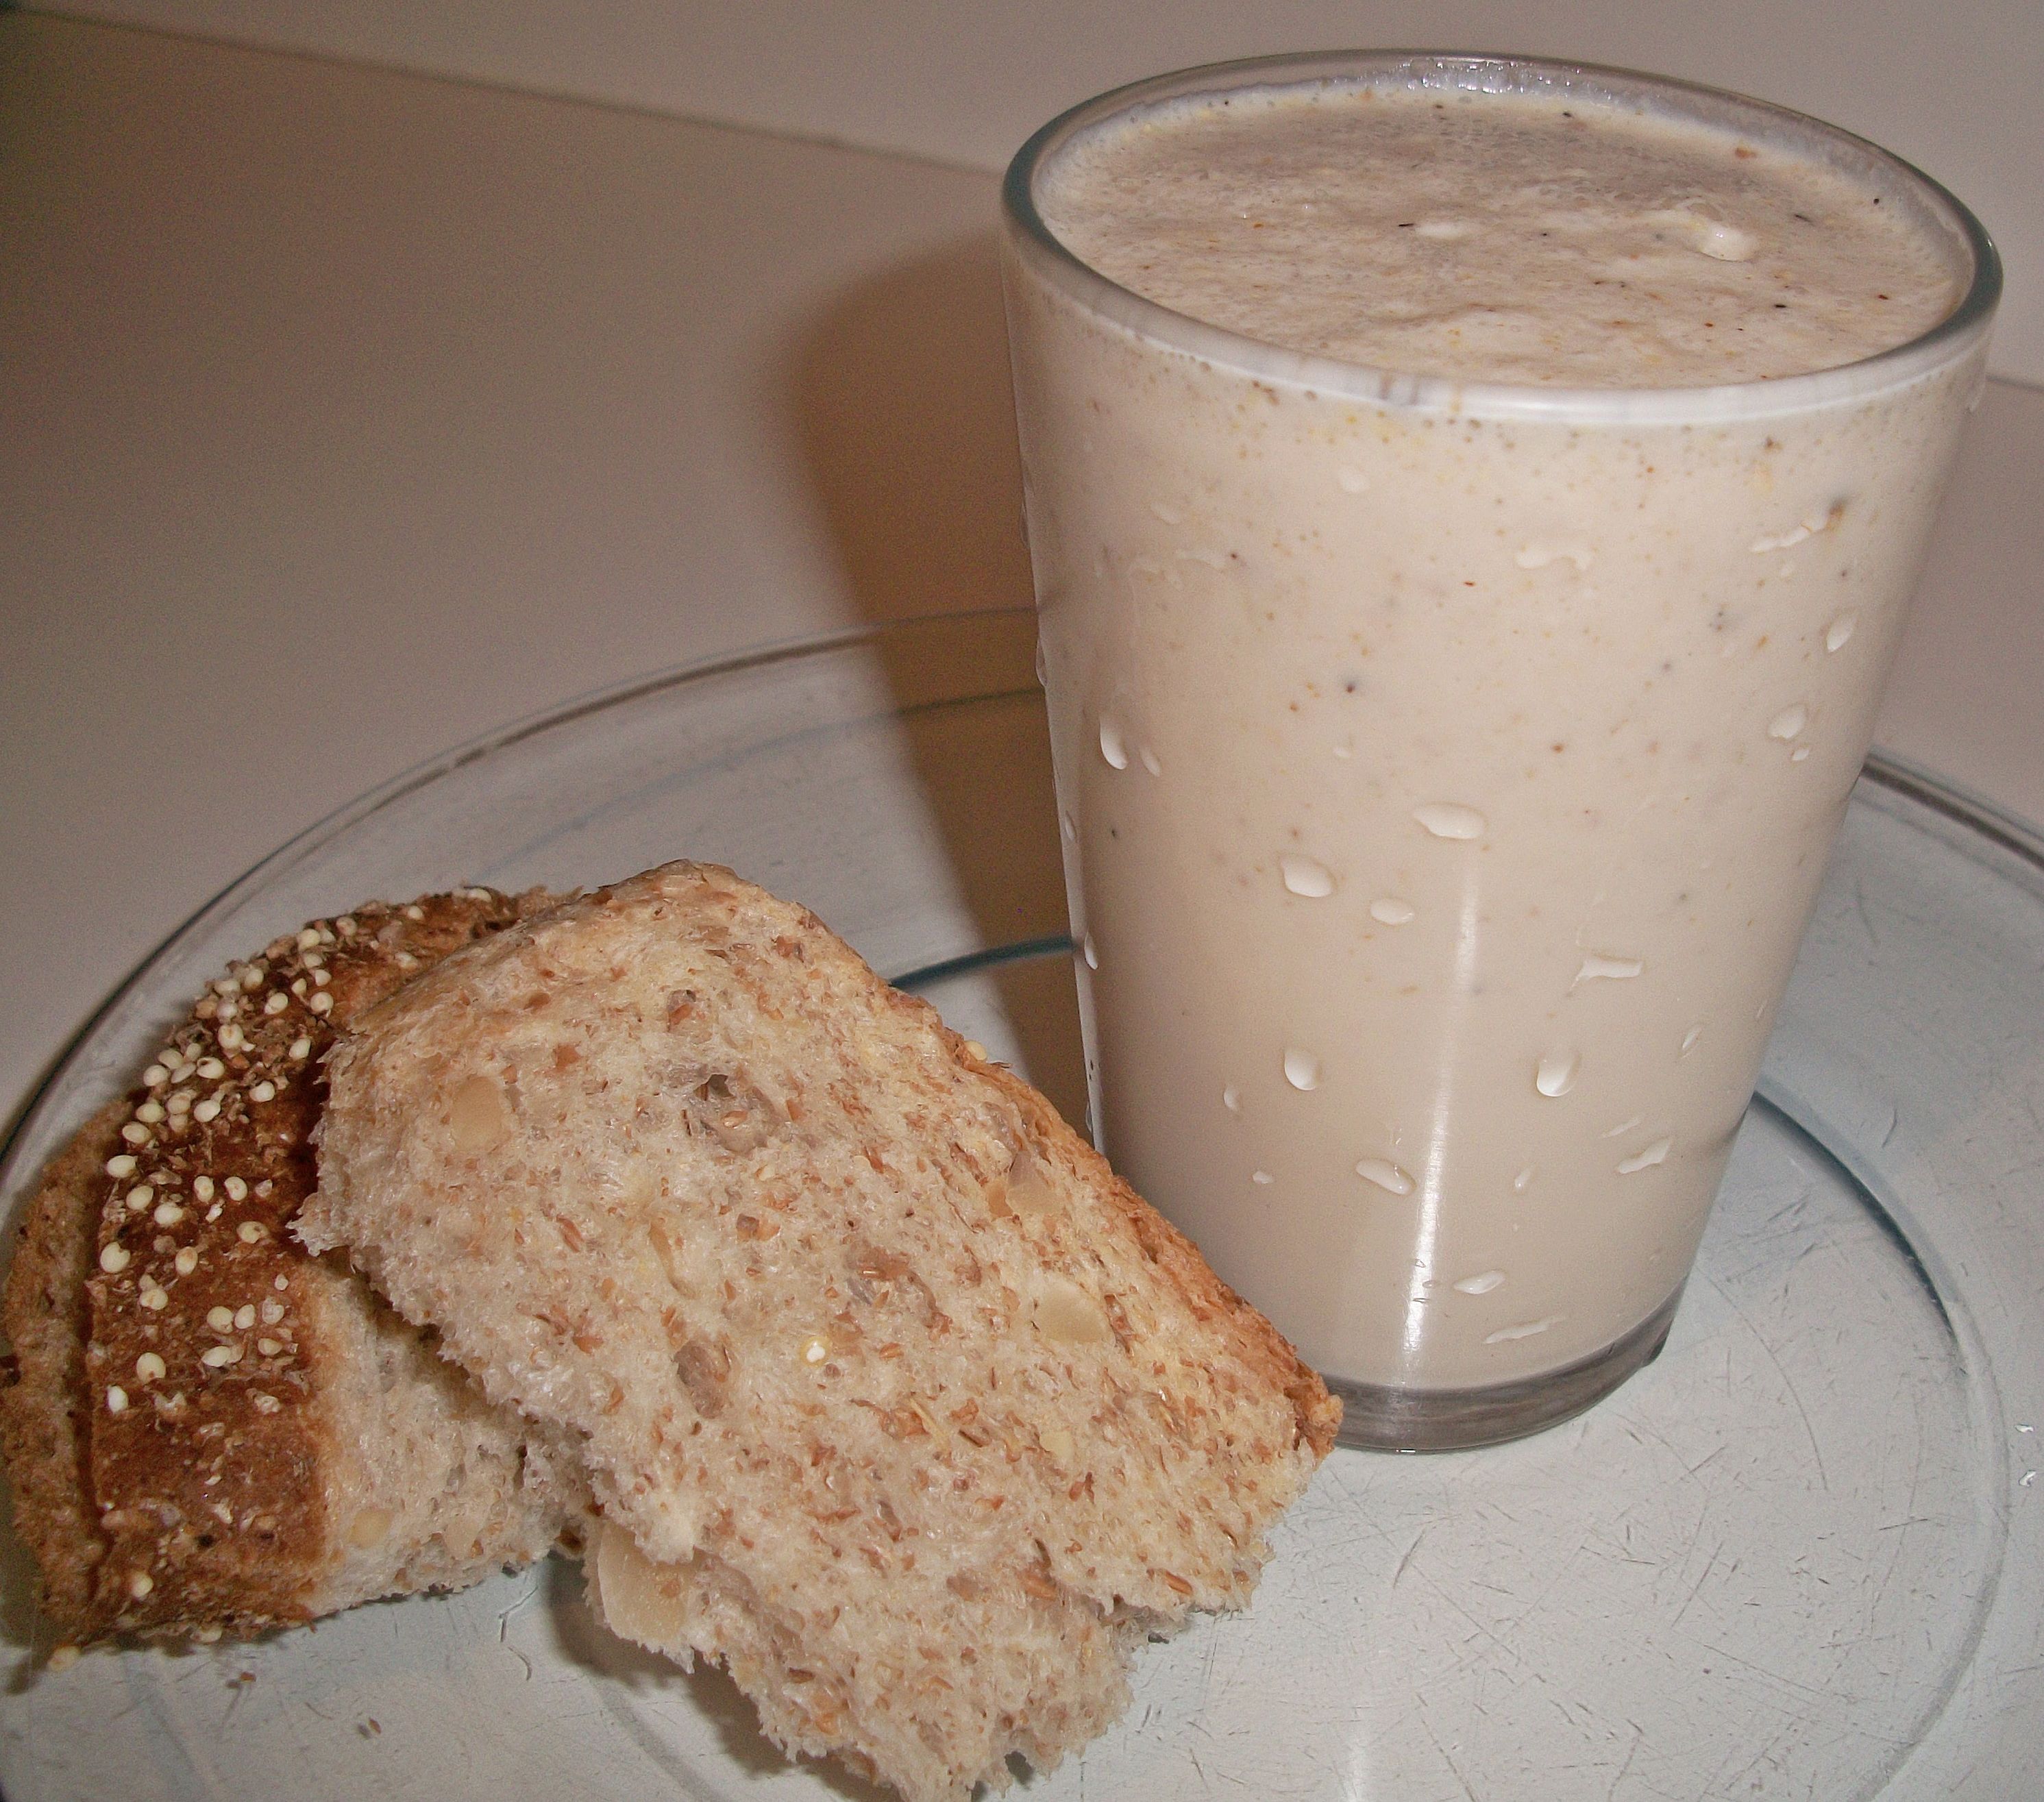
196	1396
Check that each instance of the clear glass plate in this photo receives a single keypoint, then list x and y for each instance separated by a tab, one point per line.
1801	1555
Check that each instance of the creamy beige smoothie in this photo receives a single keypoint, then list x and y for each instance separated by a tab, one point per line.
1463	612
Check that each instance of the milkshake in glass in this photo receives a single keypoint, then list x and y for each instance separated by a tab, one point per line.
1473	504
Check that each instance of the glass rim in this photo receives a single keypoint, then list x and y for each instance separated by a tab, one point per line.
1052	259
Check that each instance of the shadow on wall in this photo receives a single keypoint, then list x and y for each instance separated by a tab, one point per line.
906	424
907	428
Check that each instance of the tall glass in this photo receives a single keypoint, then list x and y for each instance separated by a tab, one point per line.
1446	771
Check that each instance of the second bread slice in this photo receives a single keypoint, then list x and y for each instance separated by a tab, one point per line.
894	1400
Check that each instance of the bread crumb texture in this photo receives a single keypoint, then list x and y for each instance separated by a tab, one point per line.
207	1428
894	1400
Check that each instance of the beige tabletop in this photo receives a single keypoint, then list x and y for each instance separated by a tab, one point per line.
346	414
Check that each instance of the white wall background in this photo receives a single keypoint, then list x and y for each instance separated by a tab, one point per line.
1957	88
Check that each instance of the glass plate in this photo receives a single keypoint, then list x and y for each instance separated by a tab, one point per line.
1801	1555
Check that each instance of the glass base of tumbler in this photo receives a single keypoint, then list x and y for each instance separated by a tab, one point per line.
1379	1418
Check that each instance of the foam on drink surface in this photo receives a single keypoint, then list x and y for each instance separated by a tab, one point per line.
1525	238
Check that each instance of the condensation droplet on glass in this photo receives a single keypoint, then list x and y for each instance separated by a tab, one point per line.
1526	1329
1445	820
1598	967
1302	1069
1555	1074
1043	666
1149	761
1389	911
1085	948
1070	827
1839	631
1539	554
1260	1175
1799	754
1654	1154
1305	876
1788	722
1625	1126
1230	1098
1482	1284
1689	1041
1781	541
1111	745
1170	516
1520	1182
1385	1174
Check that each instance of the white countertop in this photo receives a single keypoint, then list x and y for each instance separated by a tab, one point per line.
344	414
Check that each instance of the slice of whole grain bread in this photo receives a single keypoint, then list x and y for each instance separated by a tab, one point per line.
45	1412
893	1398
207	1428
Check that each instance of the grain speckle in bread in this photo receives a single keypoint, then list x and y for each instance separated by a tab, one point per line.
893	1398
207	1430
